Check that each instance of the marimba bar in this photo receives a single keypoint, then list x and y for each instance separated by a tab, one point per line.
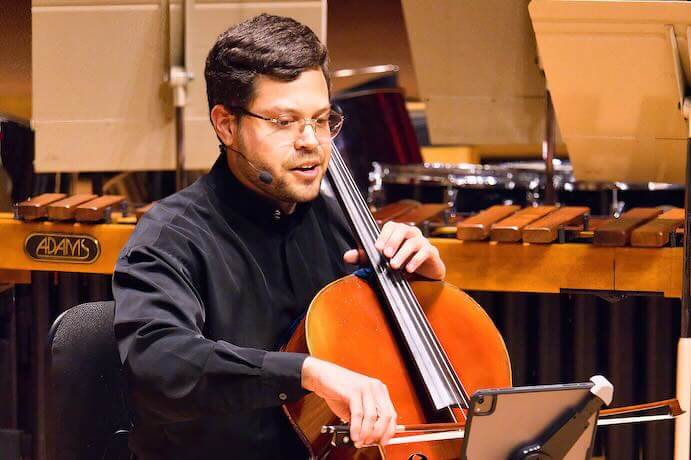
81	208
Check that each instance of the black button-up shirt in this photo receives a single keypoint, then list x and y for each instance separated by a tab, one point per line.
207	290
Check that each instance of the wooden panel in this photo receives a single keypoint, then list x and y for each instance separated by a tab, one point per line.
673	214
477	227
111	237
546	230
471	97
656	233
649	270
550	268
526	267
619	119
353	26
511	228
449	154
617	232
476	153
73	115
135	114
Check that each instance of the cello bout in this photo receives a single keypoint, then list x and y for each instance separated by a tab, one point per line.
347	325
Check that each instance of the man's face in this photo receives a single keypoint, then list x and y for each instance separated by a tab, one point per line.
297	159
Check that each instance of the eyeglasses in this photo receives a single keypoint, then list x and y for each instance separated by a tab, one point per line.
325	128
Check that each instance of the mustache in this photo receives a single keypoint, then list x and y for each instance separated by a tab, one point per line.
317	155
302	160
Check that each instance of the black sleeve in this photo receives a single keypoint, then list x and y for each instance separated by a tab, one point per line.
177	372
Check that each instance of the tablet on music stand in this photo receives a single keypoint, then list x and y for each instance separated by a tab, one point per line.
514	423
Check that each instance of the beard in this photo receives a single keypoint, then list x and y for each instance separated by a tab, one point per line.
284	187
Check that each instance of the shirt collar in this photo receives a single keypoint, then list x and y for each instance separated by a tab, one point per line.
236	195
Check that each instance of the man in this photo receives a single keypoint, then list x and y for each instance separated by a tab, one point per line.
216	276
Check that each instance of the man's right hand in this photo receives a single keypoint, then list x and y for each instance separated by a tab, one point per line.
355	398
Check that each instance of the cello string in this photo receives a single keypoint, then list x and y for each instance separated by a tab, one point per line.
398	284
400	287
407	298
422	319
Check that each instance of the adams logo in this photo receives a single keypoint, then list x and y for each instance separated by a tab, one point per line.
54	247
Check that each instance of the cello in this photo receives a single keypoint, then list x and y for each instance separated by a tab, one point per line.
427	341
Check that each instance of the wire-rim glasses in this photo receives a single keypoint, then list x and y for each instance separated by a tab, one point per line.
325	127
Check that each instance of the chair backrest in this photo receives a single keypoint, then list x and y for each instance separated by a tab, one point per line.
87	416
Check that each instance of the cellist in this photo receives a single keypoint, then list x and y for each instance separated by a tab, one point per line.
214	277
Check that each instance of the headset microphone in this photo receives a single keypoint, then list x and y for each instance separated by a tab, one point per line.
264	176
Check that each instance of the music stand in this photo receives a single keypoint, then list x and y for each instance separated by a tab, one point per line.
535	423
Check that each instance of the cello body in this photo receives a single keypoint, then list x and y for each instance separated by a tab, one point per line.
347	325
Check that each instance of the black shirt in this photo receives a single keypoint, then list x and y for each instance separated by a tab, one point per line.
207	290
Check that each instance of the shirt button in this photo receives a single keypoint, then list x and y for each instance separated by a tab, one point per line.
282	396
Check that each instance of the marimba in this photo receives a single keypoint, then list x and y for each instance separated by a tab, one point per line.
503	248
553	249
56	232
508	249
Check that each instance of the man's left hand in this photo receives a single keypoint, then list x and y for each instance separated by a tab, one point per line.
406	249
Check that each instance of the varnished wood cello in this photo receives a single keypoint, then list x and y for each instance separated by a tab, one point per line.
429	342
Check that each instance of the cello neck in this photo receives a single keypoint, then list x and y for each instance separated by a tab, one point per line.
440	380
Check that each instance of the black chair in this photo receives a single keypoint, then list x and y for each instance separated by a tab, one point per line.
87	416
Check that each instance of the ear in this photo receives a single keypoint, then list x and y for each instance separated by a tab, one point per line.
223	123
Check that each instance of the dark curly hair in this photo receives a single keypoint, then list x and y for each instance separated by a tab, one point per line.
275	46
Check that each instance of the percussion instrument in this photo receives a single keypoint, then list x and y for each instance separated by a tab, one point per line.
470	187
474	187
55	232
550	252
555	249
